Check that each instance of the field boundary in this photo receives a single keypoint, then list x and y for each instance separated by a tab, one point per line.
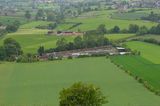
139	79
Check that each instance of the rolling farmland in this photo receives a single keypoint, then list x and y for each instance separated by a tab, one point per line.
40	83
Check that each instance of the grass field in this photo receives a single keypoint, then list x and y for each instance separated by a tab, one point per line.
6	20
31	38
156	37
141	67
91	20
129	16
34	24
134	15
149	51
40	83
115	37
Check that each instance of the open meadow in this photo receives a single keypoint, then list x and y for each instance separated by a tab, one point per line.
40	83
148	51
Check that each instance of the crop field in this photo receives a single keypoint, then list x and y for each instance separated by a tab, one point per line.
148	51
91	20
9	20
141	67
40	83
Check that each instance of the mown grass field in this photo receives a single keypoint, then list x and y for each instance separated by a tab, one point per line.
40	83
141	67
148	51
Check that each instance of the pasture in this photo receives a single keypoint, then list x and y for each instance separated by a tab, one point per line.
40	83
141	67
148	51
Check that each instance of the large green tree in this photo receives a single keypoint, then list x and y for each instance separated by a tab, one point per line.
61	44
28	15
102	29
80	94
133	28
12	47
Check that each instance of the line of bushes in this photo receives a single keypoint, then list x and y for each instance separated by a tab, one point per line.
150	40
139	79
75	25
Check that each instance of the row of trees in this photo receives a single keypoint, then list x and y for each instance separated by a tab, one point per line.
133	28
92	38
45	15
152	17
13	27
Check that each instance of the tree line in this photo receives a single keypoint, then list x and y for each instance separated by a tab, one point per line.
13	27
135	29
152	17
92	38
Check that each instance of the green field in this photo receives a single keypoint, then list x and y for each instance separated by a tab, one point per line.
91	20
141	67
9	20
40	83
34	24
129	16
134	15
149	51
115	37
156	37
32	38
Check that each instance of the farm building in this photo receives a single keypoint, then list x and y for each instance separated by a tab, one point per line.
64	33
68	33
122	51
83	52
